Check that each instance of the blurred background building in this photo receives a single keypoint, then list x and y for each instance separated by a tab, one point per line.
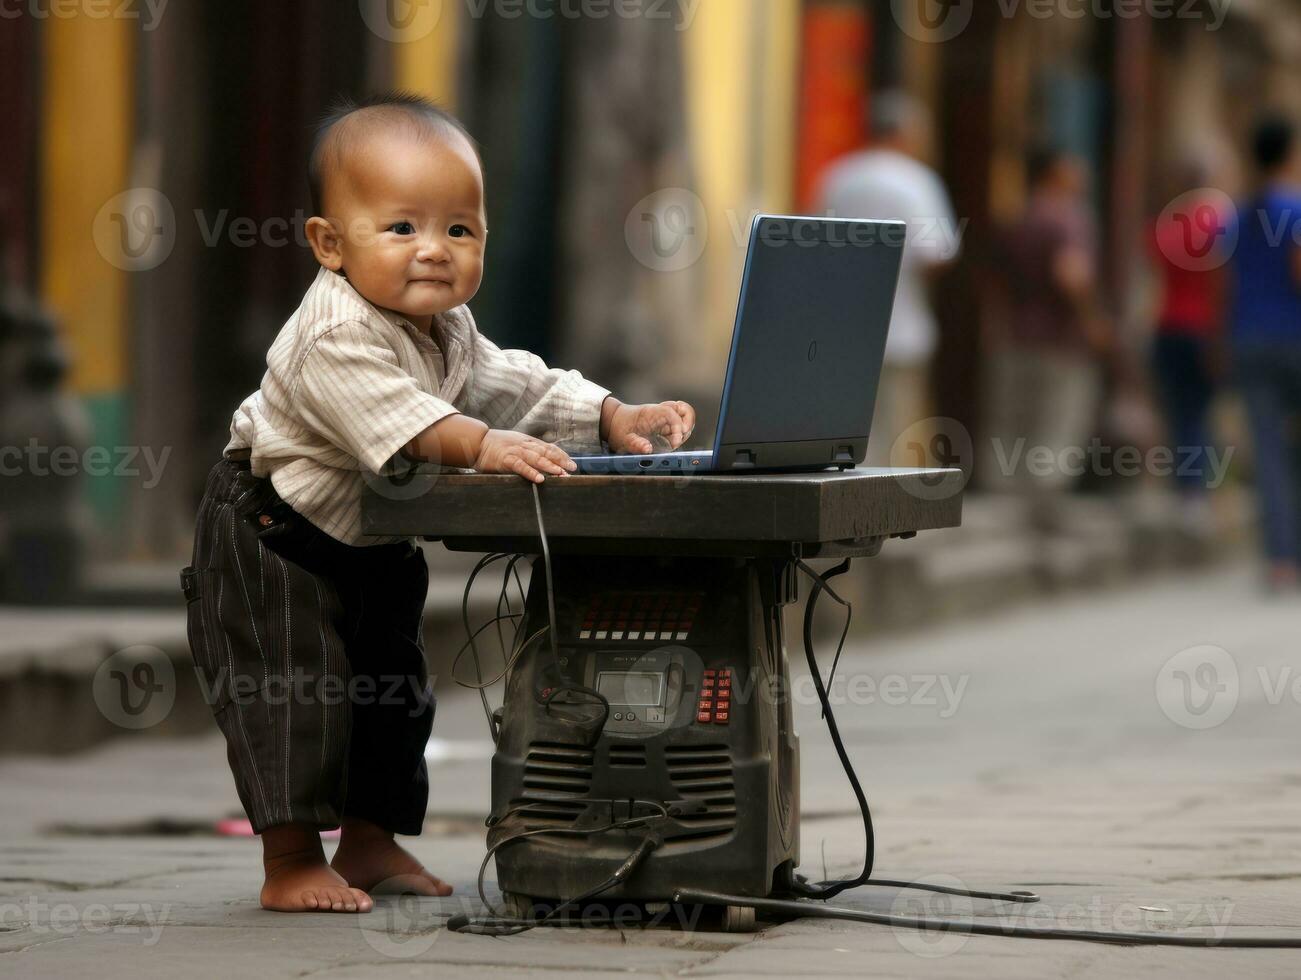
152	185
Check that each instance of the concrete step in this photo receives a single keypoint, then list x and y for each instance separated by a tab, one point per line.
49	657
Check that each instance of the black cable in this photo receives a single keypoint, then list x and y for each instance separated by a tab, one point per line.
497	924
829	889
546	564
815	910
465	619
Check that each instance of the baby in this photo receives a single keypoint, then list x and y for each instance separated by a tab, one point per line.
305	632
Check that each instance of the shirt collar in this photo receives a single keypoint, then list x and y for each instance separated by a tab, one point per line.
444	322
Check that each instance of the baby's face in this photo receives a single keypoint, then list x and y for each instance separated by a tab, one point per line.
408	222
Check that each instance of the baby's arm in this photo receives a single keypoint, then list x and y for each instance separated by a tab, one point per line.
459	440
516	389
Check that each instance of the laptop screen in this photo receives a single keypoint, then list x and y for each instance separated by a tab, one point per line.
809	336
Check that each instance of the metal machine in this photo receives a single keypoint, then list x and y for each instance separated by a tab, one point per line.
693	713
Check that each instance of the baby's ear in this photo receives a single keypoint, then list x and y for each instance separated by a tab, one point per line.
325	242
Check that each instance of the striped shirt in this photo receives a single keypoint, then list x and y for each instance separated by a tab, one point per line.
348	384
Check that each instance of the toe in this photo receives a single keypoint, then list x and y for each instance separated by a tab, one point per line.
362	900
309	900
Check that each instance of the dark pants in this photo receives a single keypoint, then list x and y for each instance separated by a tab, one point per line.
1180	365
310	653
1270	376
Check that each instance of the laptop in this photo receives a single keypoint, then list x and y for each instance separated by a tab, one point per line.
807	346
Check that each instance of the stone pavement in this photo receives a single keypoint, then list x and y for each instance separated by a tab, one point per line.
1092	748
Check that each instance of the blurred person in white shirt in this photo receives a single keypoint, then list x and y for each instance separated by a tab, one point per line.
888	180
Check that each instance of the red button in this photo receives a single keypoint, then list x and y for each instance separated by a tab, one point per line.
702	716
709	673
704	704
721	717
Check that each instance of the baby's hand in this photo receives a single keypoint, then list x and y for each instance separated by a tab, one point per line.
631	425
508	451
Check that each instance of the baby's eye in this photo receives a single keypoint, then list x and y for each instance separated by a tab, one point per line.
458	231
402	228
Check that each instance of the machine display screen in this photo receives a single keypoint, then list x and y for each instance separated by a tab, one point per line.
628	687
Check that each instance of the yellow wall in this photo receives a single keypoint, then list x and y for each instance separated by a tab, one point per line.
741	60
427	64
87	119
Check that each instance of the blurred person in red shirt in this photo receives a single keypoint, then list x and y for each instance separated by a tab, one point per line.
1186	246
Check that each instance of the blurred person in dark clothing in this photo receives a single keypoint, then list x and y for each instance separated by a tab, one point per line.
1265	340
1189	264
1043	378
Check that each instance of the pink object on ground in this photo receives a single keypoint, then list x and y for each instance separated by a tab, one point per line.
242	828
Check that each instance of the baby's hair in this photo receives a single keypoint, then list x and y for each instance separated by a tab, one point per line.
350	120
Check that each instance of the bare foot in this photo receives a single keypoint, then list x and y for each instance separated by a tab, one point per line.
368	856
299	880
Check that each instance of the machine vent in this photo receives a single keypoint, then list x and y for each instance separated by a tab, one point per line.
703	773
628	756
545	811
556	768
